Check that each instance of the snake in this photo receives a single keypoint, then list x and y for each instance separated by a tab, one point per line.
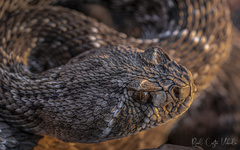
70	76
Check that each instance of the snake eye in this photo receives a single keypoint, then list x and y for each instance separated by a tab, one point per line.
141	96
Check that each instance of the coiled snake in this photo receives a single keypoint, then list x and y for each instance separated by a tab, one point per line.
67	75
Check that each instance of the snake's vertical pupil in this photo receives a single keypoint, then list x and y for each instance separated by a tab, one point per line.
141	96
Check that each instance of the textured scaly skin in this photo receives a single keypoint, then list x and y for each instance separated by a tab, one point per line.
92	97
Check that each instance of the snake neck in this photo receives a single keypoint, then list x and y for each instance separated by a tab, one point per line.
22	93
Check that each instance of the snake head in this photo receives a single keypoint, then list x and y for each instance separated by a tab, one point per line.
173	91
166	96
163	90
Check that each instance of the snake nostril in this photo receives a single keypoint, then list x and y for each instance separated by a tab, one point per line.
176	92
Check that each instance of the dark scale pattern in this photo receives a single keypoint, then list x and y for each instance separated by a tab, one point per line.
67	75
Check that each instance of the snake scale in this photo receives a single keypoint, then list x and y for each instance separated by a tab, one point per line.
67	75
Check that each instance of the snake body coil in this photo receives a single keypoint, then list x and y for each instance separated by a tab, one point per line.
67	75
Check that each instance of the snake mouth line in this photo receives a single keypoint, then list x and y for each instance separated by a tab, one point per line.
172	110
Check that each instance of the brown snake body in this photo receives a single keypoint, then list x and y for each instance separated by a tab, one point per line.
67	75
